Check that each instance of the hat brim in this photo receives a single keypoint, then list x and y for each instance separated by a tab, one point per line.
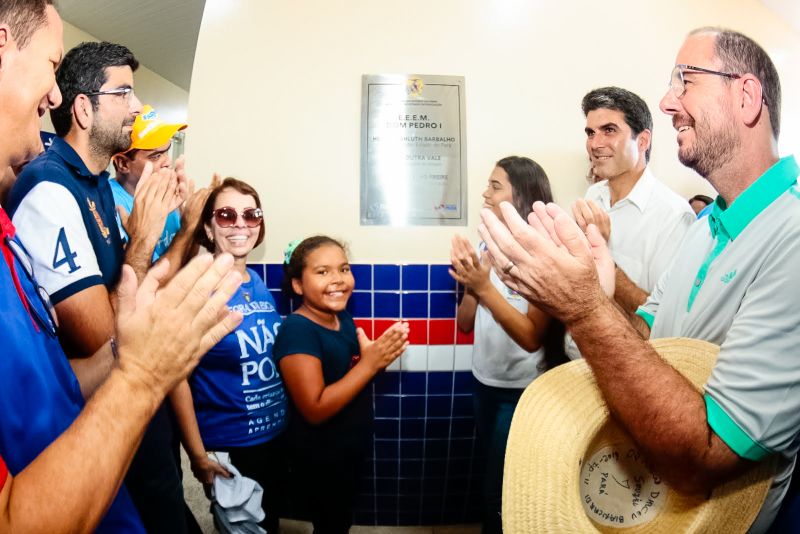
157	137
562	419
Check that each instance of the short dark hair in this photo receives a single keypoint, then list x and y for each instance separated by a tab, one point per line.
24	18
634	109
293	269
200	236
529	183
84	70
741	55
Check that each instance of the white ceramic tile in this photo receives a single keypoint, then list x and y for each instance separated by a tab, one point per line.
463	360
440	358
414	358
395	365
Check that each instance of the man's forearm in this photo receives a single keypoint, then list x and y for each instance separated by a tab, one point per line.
662	411
52	493
93	371
627	294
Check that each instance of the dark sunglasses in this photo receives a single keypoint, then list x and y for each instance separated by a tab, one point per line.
227	216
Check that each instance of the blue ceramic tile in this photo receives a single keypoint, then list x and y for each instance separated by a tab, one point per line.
386	486
360	304
387	305
462	427
363	502
274	275
258	268
386	383
443	305
387	504
436	467
410	468
386	277
281	303
415	277
461	448
415	305
462	405
459	468
386	516
434	449
410	499
440	383
441	279
464	383
431	515
433	486
386	468
365	485
412	382
364	517
408	517
412	428
437	428
387	449
439	406
387	406
413	406
411	448
387	429
363	275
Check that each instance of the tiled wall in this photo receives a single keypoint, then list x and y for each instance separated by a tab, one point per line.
424	469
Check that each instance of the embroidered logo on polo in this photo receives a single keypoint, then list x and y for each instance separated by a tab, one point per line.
104	231
727	277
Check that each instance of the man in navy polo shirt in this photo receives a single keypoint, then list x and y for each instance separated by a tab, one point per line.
56	481
64	208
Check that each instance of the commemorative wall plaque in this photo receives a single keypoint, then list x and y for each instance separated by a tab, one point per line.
413	150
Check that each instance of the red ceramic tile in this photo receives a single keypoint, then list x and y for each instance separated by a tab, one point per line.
418	331
366	324
465	339
442	331
381	326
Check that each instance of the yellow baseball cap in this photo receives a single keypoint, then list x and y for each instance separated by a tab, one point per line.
151	132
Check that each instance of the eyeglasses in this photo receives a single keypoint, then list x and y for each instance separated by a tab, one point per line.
227	217
40	306
677	84
125	92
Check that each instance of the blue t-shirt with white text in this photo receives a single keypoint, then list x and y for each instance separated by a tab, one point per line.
239	398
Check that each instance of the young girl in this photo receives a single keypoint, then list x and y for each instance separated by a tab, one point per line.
510	334
327	365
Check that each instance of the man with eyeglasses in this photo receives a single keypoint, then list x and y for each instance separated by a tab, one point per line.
642	219
733	283
64	210
62	459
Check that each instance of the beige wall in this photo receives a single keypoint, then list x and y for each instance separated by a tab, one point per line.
168	99
276	94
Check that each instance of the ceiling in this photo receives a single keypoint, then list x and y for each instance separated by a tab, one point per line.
161	33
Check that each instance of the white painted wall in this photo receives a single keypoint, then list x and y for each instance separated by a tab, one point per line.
276	95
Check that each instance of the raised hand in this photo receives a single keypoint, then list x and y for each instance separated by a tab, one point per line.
380	353
467	268
587	212
162	333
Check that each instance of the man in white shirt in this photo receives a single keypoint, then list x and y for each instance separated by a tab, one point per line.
642	219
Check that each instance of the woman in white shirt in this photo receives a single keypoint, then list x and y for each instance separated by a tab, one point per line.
512	337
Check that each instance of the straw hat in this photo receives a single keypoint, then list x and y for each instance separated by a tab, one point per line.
570	468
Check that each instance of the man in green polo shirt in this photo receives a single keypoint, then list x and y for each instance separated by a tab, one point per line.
733	283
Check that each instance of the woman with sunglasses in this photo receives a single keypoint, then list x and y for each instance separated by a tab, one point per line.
235	400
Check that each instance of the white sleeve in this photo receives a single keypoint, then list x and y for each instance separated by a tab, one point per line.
50	225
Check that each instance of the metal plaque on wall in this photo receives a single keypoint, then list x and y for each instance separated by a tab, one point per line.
413	150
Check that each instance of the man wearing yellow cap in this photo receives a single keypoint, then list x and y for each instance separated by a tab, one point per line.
151	141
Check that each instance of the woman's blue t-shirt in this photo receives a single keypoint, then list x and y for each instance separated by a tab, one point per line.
239	398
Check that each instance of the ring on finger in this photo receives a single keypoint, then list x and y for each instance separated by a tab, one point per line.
508	267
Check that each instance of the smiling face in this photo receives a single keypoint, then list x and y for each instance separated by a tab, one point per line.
112	122
28	87
613	149
497	190
326	282
239	239
703	117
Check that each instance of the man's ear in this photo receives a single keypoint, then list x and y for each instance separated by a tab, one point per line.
82	111
121	164
643	140
5	44
752	98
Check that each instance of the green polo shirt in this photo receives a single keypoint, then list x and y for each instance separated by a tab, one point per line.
734	283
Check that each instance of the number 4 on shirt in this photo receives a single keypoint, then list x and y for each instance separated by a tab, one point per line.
64	253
